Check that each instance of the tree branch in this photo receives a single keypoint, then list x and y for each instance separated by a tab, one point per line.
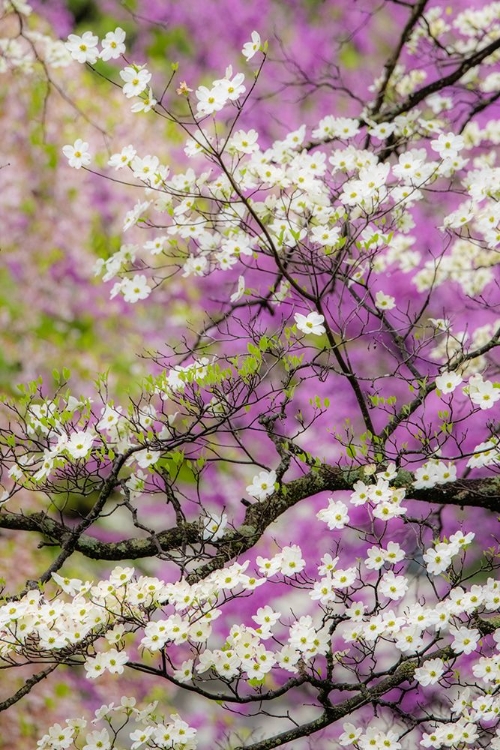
417	96
402	673
478	493
391	63
27	687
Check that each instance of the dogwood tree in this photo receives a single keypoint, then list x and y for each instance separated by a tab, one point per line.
294	521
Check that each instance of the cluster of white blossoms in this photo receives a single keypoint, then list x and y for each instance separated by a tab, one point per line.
84	48
70	432
115	607
413	628
439	558
471	28
150	729
307	211
452	344
434	472
307	195
224	90
485	454
367	738
46	420
295	199
125	607
458	734
384	500
482	393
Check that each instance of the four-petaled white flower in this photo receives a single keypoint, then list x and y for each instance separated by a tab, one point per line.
77	154
232	86
59	737
79	444
312	323
439	559
135	289
146	104
262	485
393	586
113	44
147	458
481	392
83	48
210	100
464	639
335	516
430	672
448	381
136	80
214	527
350	735
384	301
448	145
97	740
244	142
123	159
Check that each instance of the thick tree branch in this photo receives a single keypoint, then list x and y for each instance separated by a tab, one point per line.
478	493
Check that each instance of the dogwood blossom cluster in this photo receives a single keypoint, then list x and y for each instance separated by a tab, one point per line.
440	557
141	727
124	606
384	500
485	454
227	89
84	49
67	431
451	344
328	206
434	472
279	173
303	207
176	616
308	208
116	606
473	25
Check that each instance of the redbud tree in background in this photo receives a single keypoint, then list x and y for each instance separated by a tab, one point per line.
276	526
